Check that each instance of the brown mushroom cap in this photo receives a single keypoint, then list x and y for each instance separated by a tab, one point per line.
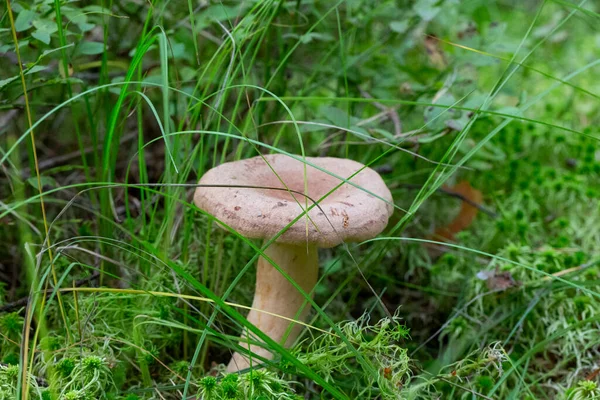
348	214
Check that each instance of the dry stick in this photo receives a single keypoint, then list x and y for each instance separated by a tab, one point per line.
452	194
593	375
573	269
390	110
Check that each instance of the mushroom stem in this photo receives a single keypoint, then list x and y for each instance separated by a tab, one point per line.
276	295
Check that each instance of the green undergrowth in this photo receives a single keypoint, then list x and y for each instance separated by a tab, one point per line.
113	110
506	283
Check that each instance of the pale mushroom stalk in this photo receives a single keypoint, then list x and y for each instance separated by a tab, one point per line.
276	297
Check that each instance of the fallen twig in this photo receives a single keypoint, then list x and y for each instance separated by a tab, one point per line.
391	111
451	193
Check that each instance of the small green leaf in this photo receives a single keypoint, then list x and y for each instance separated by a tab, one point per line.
387	135
315	127
332	266
75	16
431	138
17	8
427	9
5	82
34	69
436	116
457	124
50	51
337	116
90	48
399	26
480	165
218	12
42	36
24	20
45	25
309	37
116	89
179	51
46	181
73	81
156	79
85	26
96	10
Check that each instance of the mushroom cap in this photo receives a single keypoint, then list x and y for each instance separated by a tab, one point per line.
349	214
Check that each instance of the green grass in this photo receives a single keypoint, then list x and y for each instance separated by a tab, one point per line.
116	109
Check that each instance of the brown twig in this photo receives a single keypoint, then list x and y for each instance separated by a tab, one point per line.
593	375
573	269
451	193
390	110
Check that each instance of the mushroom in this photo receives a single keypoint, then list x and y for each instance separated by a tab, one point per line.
353	212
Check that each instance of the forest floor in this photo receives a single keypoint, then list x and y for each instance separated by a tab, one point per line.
481	117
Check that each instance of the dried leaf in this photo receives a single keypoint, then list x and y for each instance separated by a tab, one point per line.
498	280
467	212
434	52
